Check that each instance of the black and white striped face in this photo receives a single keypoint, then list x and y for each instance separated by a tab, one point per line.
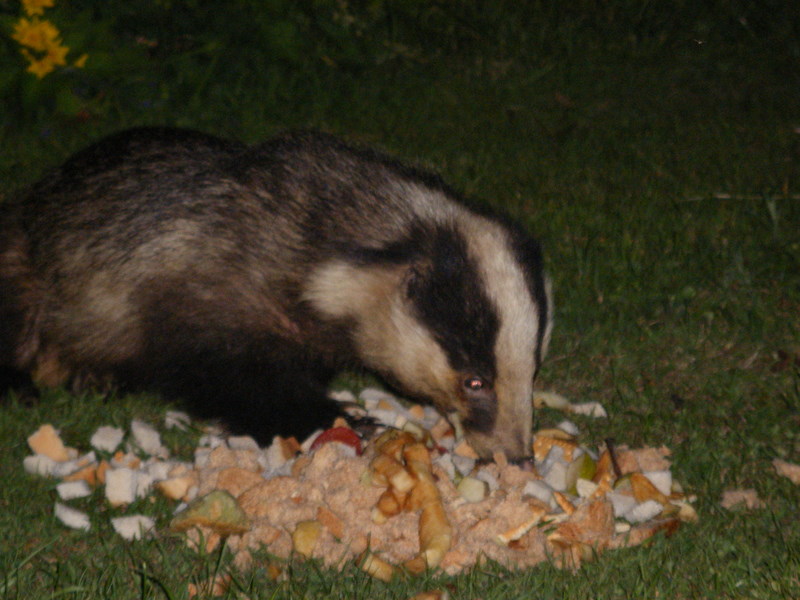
486	304
464	323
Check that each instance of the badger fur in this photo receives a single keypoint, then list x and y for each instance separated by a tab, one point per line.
241	278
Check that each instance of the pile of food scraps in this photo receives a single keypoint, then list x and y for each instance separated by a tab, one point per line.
412	498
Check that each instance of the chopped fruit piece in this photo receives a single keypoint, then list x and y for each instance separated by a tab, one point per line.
343	435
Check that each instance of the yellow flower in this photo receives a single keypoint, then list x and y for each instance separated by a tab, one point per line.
40	41
57	55
49	52
35	34
39	67
80	62
36	7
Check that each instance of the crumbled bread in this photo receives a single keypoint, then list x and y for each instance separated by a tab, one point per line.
464	449
133	527
39	464
107	438
72	518
176	419
69	490
46	441
121	486
147	438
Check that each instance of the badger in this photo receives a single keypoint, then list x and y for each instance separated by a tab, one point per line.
243	278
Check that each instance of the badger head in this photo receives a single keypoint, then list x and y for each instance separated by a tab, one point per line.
458	314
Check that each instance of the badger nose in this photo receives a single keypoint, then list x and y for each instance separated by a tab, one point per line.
526	463
514	444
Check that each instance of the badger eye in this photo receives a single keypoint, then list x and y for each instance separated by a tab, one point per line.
479	397
474	384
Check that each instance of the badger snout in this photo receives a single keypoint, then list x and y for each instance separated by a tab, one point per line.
494	422
514	443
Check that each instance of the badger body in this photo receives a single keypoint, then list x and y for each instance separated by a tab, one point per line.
242	278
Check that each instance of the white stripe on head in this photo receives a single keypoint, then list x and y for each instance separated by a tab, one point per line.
389	338
515	346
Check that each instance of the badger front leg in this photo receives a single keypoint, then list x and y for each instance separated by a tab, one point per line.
248	394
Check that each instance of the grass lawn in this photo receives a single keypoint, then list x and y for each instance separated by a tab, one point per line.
660	169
